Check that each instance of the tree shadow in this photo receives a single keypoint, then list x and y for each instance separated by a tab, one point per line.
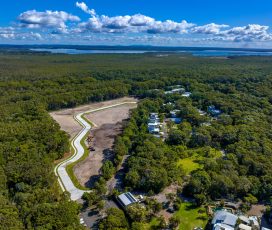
191	206
93	212
108	154
90	183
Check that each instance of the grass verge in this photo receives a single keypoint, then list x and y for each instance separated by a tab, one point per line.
70	167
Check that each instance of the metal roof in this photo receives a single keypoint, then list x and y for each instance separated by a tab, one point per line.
222	227
127	199
225	218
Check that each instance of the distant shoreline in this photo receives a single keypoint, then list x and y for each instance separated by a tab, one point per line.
200	53
82	49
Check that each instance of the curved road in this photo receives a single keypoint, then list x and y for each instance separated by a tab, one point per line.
60	170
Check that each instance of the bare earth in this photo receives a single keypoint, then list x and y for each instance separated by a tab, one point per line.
108	124
65	117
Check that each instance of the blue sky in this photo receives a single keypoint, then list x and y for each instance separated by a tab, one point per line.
229	23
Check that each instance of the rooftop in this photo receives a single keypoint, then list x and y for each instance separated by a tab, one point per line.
222	227
126	199
223	217
244	227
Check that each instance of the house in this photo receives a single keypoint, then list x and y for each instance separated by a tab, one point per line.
213	111
224	220
154	128
126	199
154	123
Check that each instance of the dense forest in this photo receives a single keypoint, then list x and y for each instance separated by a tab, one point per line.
30	141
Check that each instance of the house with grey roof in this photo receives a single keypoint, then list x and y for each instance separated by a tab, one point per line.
224	220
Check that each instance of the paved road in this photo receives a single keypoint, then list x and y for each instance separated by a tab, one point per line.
60	170
64	179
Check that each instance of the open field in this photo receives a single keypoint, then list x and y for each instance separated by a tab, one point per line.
65	117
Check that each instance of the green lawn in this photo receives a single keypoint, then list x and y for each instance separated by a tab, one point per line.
188	164
153	224
191	216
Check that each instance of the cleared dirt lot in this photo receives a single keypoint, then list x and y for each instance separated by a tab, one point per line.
65	117
108	124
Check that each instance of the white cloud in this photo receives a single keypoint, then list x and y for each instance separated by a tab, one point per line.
11	33
140	20
49	19
136	29
251	32
85	8
136	23
211	28
118	22
7	32
169	26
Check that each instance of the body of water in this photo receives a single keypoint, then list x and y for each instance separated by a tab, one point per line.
76	51
204	53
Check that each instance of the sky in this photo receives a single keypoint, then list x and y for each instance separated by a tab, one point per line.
225	23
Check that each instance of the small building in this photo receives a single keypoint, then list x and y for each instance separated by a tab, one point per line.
126	199
224	220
